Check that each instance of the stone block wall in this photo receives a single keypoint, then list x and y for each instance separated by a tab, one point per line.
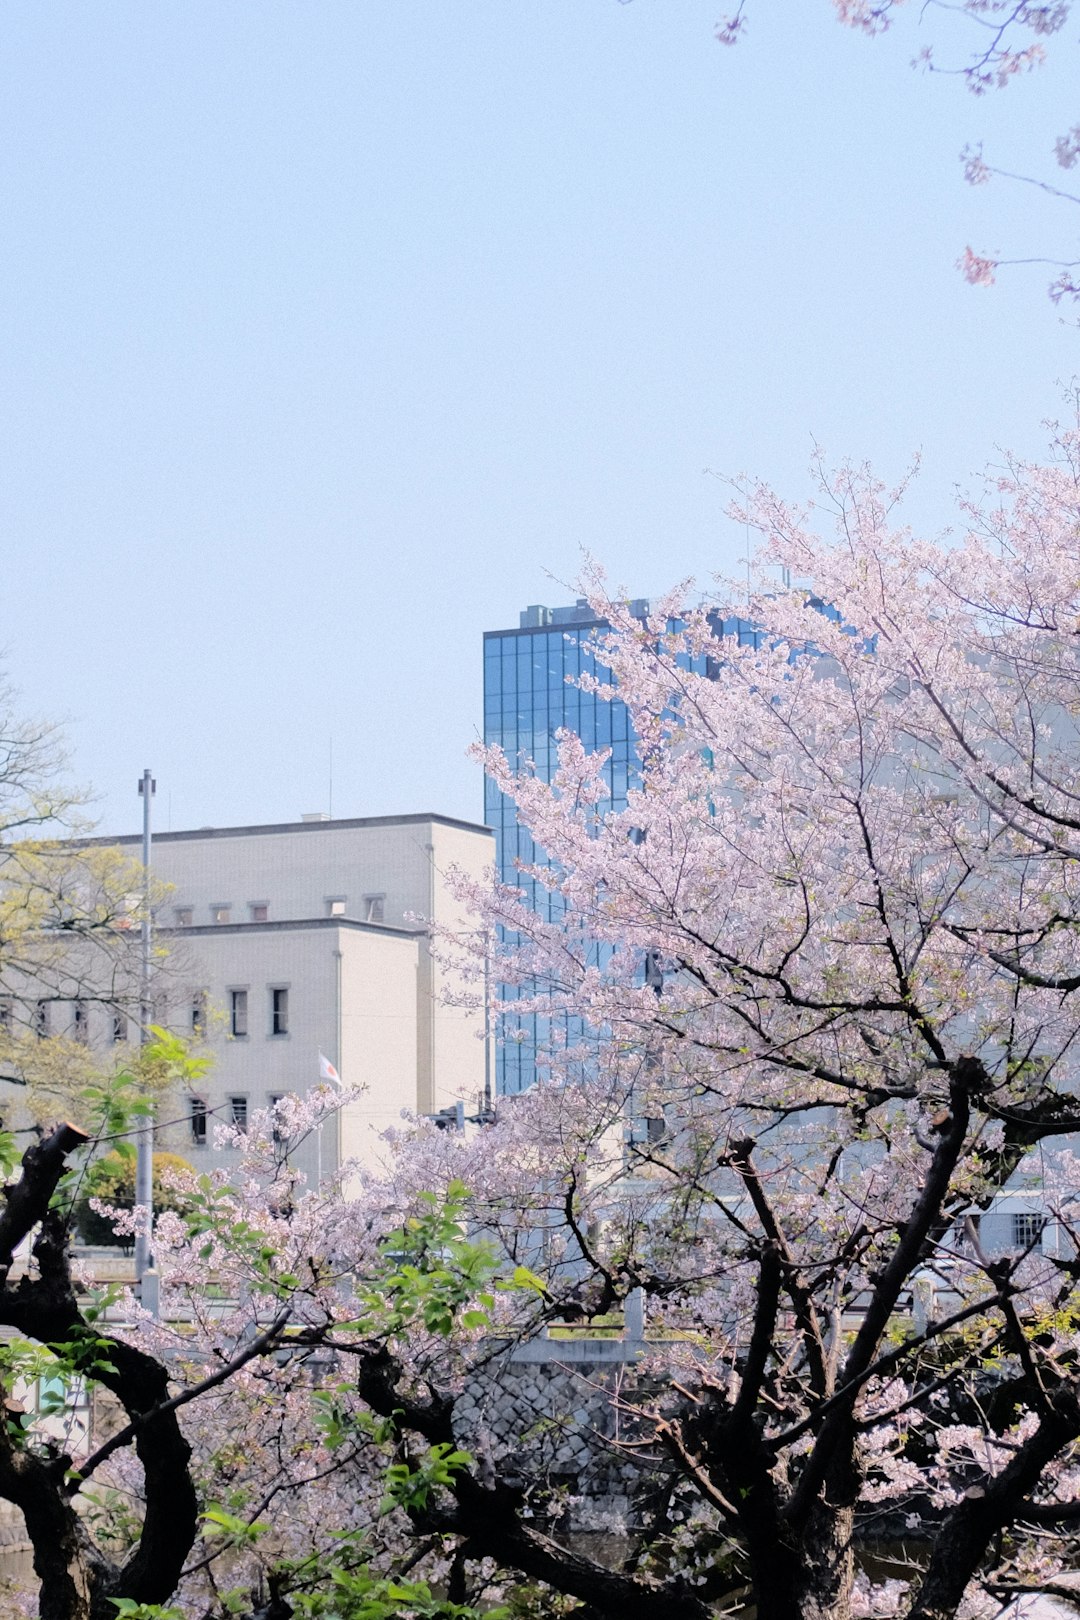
553	1417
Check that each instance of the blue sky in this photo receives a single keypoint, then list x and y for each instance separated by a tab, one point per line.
331	331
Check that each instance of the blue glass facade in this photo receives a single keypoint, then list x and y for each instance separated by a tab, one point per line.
529	694
528	697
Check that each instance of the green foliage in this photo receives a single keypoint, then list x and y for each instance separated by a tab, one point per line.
112	1179
408	1485
56	1368
167	1059
345	1587
128	1609
84	1354
362	1595
112	1516
211	1214
9	1153
108	1105
238	1532
339	1422
429	1271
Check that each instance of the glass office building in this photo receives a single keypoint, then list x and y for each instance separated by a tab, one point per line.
529	694
528	697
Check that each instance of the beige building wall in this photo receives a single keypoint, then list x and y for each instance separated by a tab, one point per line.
299	869
351	992
460	1040
334	914
379	1018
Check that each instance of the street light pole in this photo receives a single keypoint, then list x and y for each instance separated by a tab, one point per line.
144	1142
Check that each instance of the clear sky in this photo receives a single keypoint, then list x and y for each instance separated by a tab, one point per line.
333	330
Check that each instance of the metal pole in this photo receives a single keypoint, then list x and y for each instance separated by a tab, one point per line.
487	1110
338	958
144	1142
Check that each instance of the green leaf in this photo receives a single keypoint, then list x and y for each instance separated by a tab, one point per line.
524	1278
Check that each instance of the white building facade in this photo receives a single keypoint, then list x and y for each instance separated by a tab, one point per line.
310	937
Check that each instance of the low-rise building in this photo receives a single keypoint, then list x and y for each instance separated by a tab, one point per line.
306	938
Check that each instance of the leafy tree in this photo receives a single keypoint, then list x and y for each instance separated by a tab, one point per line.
69	934
110	1180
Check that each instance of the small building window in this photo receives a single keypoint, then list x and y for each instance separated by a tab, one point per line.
279	1012
374	908
238	1112
41	1019
198	1121
1027	1228
80	1022
260	911
238	1012
220	914
198	1013
185	916
277	1133
335	907
119	1026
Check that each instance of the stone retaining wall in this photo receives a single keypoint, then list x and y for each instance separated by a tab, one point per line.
16	1554
552	1416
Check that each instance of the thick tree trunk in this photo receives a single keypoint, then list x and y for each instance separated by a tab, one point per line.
60	1564
77	1580
65	1562
827	1565
967	1532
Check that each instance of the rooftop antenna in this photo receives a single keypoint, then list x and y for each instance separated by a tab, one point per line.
330	806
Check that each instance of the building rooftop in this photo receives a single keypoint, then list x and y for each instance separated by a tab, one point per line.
539	617
287	925
315	823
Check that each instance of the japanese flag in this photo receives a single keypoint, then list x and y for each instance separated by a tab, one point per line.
327	1071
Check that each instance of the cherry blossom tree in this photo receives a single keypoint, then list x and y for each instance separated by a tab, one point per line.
997	42
826	966
812	1002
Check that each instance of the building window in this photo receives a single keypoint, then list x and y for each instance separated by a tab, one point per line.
374	908
80	1022
198	1013
238	1112
185	916
119	1026
260	911
335	907
220	914
198	1121
277	1133
41	1019
279	1012
238	1023
1027	1228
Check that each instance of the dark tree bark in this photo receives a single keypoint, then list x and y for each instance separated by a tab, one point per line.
77	1579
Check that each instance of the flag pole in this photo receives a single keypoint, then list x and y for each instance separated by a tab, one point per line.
329	1076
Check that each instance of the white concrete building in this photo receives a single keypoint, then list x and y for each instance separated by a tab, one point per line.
293	940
